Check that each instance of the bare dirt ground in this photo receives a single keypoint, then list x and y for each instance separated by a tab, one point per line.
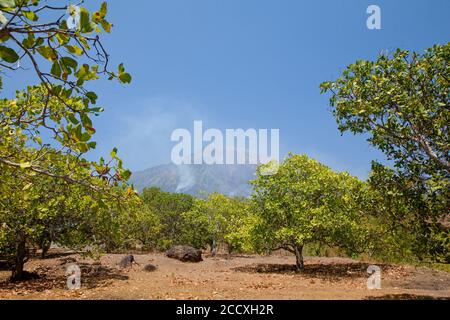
225	277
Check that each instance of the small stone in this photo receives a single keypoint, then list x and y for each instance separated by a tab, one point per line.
150	268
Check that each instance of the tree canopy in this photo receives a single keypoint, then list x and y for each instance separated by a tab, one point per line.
306	202
402	102
51	192
64	59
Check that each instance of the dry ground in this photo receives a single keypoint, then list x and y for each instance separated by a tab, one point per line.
224	277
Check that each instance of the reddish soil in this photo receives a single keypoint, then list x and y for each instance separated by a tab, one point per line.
225	277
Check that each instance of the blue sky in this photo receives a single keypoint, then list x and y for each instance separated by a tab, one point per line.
247	64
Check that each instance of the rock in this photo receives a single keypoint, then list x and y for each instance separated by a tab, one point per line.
185	254
150	268
127	262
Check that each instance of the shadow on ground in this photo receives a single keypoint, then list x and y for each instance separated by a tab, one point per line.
406	297
5	265
228	256
57	254
92	276
323	271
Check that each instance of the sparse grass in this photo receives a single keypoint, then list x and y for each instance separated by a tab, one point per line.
438	266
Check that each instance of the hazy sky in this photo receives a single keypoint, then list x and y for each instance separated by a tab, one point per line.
246	64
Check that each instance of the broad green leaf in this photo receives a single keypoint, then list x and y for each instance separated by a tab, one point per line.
48	53
125	77
75	50
113	153
56	69
85	21
92	96
8	54
7	3
69	62
30	15
3	19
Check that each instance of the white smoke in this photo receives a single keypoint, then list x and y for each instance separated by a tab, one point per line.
187	178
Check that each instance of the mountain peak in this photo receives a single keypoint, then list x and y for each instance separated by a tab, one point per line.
197	180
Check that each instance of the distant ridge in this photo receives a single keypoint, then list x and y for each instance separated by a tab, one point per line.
198	180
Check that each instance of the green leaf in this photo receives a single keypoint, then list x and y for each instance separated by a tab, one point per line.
76	132
8	54
56	69
62	38
28	186
25	165
100	15
71	118
104	9
97	109
126	174
69	62
92	145
3	19
48	53
29	41
85	21
30	15
86	120
92	96
125	77
75	50
113	153
4	37
7	3
39	41
83	147
106	26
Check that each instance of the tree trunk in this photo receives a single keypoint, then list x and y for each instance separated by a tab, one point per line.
299	258
21	253
230	249
45	248
213	248
45	245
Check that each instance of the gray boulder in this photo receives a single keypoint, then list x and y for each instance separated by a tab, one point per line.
185	254
127	262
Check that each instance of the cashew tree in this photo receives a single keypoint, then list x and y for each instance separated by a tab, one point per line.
307	202
47	128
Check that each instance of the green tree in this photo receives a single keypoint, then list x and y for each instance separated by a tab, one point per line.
306	202
409	216
141	226
240	220
38	210
64	59
402	102
168	208
216	221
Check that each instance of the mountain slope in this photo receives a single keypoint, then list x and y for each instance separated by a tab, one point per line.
198	180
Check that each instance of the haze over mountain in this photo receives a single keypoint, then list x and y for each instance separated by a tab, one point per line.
198	180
